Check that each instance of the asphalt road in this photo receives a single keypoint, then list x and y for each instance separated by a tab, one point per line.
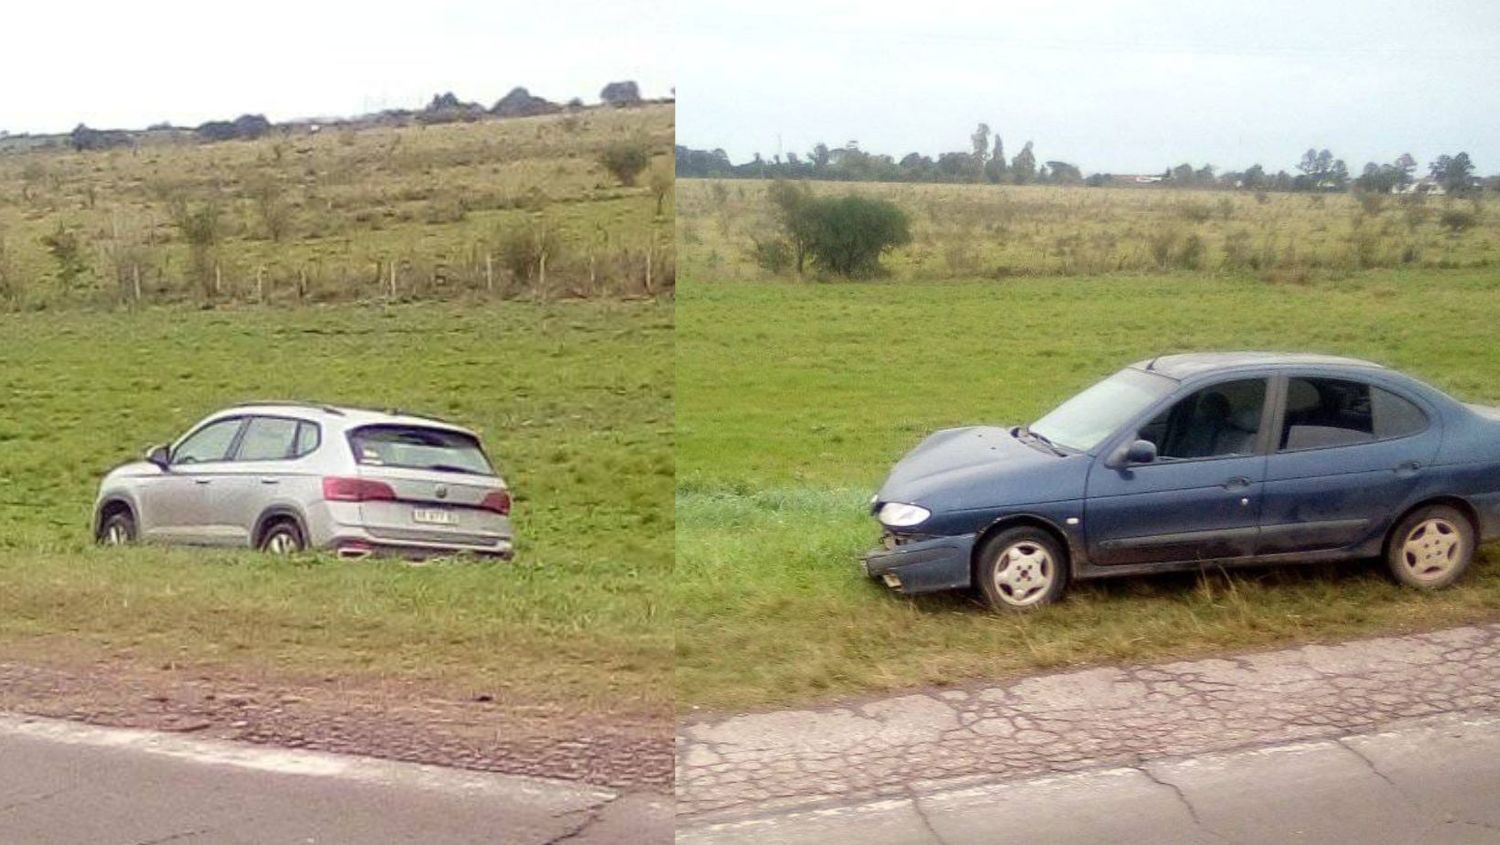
63	782
1432	781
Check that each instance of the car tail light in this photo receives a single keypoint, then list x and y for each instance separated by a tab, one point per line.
497	501
336	489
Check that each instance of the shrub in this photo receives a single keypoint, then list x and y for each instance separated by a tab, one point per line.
66	248
626	160
772	255
847	235
523	247
1457	220
1371	202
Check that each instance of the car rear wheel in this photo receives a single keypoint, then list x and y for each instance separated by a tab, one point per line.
1431	548
118	529
283	538
1021	568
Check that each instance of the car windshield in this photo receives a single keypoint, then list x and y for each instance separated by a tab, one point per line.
1084	421
418	447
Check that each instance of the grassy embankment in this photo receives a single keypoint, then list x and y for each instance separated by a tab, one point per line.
574	401
793	401
462	209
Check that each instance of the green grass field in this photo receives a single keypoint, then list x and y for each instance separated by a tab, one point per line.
967	232
441	204
794	399
574	401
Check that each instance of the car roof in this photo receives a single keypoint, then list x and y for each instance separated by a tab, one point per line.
1188	364
340	415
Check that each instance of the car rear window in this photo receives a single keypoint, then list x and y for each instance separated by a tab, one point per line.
419	447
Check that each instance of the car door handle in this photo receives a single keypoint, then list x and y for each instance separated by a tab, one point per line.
1408	467
201	480
1239	482
270	481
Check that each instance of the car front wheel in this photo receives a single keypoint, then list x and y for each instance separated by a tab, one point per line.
1431	548
118	529
1021	568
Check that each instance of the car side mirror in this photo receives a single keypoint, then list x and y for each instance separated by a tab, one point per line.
1136	452
159	455
1140	452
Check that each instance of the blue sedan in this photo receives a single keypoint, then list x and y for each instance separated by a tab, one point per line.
1188	461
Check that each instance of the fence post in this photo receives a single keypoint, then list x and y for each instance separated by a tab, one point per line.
541	281
135	277
218	280
393	279
649	249
260	284
489	272
301	284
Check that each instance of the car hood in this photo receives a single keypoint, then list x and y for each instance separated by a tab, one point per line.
134	469
981	467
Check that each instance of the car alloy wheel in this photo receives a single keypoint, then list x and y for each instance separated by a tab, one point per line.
118	530
282	540
1432	549
1024	573
1021	568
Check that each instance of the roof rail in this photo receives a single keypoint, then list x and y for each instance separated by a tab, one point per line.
261	403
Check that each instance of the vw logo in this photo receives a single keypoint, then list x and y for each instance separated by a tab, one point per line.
442	492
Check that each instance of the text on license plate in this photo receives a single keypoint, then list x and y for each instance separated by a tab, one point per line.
433	516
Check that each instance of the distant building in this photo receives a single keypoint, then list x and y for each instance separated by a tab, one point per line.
1134	178
1425	185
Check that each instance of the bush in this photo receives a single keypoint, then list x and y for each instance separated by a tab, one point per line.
773	255
847	235
1457	220
626	160
1371	202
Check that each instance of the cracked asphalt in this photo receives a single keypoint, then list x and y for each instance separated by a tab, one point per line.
64	782
1262	747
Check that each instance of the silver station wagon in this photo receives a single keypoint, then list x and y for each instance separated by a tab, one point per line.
284	477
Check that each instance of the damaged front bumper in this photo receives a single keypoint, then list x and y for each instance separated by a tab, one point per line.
922	565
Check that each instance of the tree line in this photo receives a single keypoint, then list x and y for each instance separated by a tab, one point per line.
985	162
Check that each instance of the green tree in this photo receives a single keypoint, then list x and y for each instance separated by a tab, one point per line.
793	203
981	143
1023	167
1454	173
995	169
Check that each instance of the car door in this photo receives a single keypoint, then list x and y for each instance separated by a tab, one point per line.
1200	498
1348	455
258	477
176	504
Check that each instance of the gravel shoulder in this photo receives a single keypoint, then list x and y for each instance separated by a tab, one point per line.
389	719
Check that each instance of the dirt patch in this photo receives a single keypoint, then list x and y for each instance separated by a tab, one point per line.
381	718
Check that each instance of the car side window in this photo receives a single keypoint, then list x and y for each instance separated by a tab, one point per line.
1217	421
268	439
209	443
309	437
1395	416
1324	412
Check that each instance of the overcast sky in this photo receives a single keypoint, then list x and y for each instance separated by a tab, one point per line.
129	64
1122	87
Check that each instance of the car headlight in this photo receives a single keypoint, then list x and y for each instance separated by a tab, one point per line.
898	515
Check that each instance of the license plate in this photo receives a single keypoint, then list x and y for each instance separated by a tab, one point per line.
433	516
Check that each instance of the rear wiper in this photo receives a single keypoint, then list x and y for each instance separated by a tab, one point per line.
451	468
